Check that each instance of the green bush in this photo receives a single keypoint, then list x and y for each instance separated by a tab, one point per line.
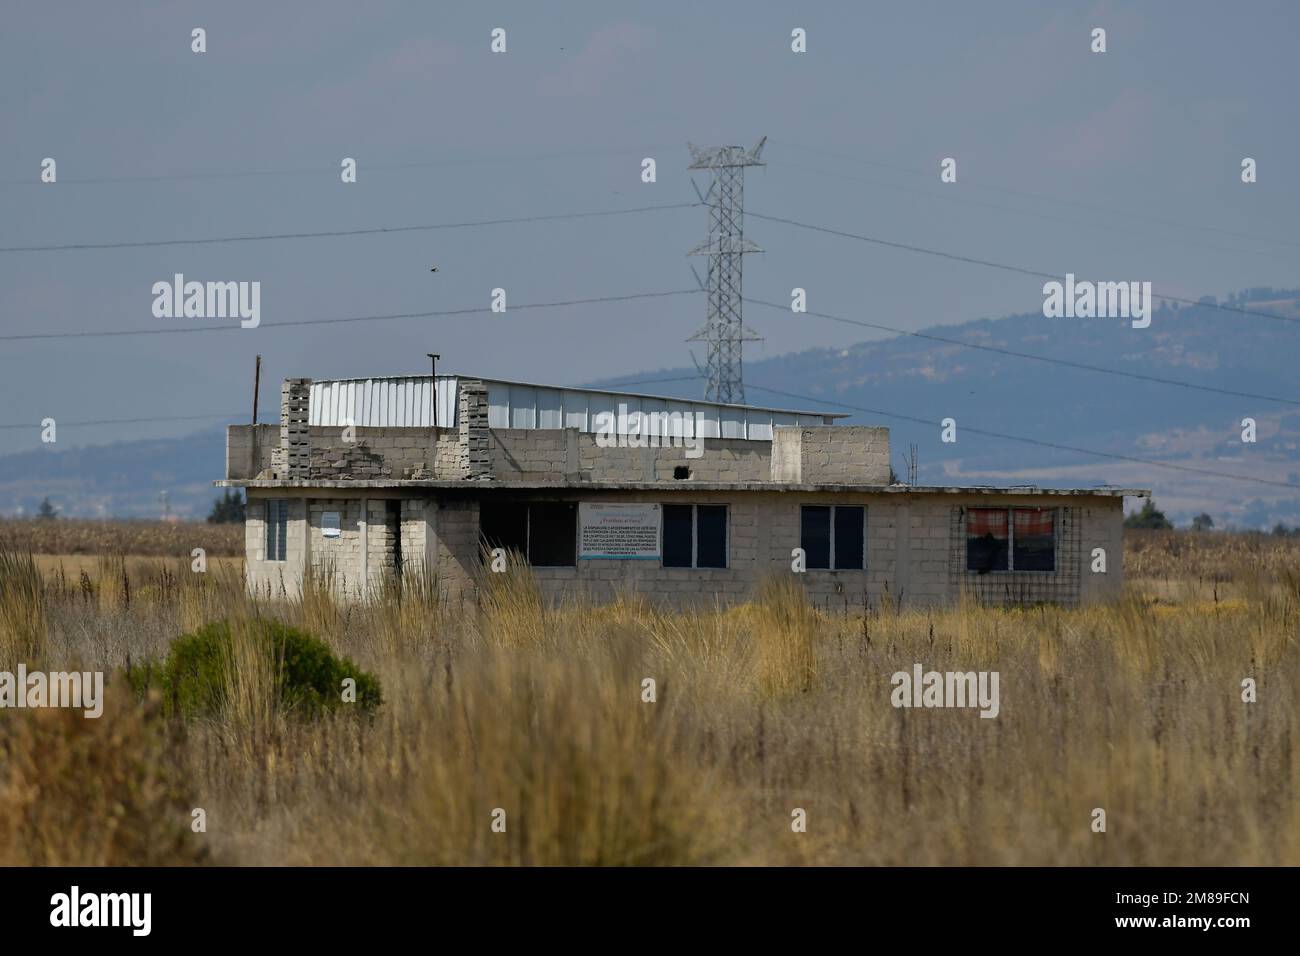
1150	518
308	678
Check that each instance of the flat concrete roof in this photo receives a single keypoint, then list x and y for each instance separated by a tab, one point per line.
668	487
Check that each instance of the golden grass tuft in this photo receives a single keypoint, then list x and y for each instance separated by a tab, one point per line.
107	791
22	610
783	627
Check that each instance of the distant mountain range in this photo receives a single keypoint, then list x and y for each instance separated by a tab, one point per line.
911	383
122	480
921	377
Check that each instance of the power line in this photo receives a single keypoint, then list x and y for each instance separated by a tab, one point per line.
949	195
649	381
28	336
120	421
1028	355
331	233
1036	441
333	171
908	247
1095	207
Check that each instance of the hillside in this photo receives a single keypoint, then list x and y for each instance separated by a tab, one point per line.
120	480
920	378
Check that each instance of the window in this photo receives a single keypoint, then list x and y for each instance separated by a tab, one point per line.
1010	539
553	534
504	525
848	537
695	536
710	536
1033	541
833	536
679	539
544	532
277	528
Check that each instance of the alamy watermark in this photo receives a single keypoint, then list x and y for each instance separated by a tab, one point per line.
75	908
208	300
649	430
922	688
1102	300
76	689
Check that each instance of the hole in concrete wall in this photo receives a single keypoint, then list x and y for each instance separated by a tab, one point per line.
681	471
393	519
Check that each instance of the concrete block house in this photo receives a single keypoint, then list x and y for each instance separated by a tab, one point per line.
606	493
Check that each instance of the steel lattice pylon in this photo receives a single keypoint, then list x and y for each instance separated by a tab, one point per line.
724	331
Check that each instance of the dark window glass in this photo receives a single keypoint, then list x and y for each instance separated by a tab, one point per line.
986	539
277	529
848	538
1033	539
711	535
815	536
552	530
677	548
504	525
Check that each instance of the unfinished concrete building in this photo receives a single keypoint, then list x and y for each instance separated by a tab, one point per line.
606	493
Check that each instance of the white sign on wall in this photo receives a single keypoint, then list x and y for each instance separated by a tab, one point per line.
618	531
329	524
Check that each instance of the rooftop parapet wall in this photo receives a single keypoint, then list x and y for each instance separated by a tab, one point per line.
568	455
831	454
396	453
249	449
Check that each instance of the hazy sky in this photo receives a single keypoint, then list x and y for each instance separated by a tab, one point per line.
1067	161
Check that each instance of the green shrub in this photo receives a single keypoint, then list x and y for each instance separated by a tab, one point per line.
194	678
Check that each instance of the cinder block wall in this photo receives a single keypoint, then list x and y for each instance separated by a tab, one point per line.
292	458
914	548
249	449
472	423
337	559
385	453
357	559
830	454
912	553
763	529
568	454
1102	527
277	578
455	550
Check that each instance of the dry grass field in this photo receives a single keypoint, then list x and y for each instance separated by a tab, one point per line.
761	709
147	538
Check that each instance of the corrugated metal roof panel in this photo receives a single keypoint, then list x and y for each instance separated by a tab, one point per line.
381	403
404	401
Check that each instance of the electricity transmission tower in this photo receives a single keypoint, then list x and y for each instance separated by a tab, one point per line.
726	246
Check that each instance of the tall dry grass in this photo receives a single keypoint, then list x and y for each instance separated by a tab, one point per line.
22	610
105	792
759	709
